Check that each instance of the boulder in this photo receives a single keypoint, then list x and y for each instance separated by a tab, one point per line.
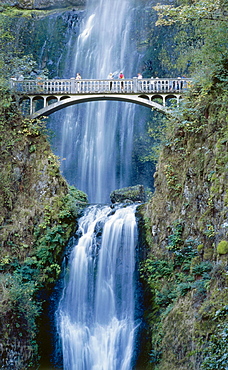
130	194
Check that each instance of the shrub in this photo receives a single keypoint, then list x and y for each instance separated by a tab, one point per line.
202	267
222	247
175	239
215	353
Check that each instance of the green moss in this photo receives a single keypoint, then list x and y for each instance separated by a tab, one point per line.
208	254
222	247
200	247
226	198
55	230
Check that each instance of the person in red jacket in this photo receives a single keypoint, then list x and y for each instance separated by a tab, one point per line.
121	76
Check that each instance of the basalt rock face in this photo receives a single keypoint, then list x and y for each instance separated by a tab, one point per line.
129	194
44	4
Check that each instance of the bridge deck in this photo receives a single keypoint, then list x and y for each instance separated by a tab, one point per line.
73	86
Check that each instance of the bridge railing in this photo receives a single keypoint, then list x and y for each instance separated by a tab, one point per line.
73	86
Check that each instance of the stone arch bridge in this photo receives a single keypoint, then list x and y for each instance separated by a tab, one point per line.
41	97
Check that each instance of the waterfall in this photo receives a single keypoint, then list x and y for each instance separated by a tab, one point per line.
95	318
96	312
97	137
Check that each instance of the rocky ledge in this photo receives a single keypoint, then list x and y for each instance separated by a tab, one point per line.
129	194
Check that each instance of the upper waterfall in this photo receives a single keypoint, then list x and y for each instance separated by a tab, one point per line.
96	139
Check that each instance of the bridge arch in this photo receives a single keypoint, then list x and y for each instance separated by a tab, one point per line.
172	100
64	97
68	101
51	100
38	102
143	96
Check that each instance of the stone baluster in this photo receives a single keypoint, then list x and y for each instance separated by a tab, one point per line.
135	84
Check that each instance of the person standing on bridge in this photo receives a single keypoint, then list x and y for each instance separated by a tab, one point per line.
140	84
121	76
78	77
110	77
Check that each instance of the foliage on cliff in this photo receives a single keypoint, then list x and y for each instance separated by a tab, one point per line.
37	216
188	36
186	221
187	234
38	210
34	42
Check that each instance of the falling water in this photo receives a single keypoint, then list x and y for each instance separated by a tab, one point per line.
96	312
96	137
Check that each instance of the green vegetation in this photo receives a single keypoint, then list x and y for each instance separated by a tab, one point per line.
37	217
13	61
201	36
38	212
176	283
222	247
185	274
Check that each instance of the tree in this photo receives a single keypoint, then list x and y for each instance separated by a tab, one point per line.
194	10
202	40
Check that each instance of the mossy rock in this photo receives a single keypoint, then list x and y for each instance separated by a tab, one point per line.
200	247
208	254
129	194
222	247
195	261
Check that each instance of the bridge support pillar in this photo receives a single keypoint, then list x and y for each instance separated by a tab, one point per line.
178	100
31	106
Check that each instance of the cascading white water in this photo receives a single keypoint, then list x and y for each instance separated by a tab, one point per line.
96	138
96	312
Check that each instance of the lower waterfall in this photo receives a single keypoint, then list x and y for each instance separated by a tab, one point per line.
96	313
